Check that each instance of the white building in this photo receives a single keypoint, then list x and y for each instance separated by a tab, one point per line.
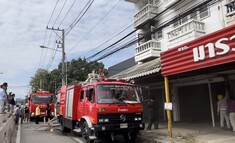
167	24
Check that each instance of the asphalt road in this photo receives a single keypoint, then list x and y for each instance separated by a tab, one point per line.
32	133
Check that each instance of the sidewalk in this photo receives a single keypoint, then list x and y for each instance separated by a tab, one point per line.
189	133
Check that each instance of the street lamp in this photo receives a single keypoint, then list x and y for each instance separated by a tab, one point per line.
63	61
44	47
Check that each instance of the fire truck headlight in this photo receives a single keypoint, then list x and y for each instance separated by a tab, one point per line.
101	120
138	119
32	114
106	120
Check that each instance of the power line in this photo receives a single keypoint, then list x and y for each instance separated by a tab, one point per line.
113	36
211	2
60	12
53	11
79	17
46	32
67	13
95	25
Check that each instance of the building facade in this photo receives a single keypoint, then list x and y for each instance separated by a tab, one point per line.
174	25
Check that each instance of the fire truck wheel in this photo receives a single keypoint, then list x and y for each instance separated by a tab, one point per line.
86	133
133	137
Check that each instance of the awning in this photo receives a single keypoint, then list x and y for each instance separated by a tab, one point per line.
210	50
140	70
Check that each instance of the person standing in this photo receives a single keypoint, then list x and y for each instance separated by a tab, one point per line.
153	114
26	113
222	110
231	110
37	114
17	114
3	97
48	113
22	113
12	103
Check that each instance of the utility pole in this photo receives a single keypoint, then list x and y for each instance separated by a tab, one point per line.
63	51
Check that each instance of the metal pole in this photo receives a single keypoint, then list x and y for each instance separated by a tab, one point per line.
211	105
63	60
63	53
168	111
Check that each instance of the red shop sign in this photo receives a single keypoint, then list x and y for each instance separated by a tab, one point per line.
210	50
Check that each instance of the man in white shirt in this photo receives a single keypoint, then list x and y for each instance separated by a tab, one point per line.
222	110
3	97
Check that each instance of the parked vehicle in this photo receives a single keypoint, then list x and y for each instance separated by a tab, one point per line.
41	98
101	106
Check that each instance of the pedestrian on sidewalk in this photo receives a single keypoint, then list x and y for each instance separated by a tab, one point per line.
26	113
153	113
222	110
231	110
3	97
37	114
22	113
12	103
17	114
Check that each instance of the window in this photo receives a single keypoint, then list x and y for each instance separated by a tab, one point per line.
154	2
184	19
203	11
176	23
159	34
193	15
82	96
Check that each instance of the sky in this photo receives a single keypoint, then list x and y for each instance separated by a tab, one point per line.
23	29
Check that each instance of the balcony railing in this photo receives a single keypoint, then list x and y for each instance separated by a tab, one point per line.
150	49
169	3
145	14
186	28
230	4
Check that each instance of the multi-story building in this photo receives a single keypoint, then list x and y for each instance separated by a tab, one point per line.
168	27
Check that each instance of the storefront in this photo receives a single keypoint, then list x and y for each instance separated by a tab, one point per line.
198	70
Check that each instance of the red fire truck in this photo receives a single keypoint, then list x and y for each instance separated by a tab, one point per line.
101	106
41	98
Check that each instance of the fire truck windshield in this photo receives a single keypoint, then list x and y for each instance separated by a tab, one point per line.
42	99
114	93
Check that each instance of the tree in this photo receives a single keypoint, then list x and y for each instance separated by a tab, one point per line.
77	71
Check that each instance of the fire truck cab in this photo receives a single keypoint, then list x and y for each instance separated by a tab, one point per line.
101	106
41	98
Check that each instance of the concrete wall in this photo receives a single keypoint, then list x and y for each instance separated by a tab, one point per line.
6	128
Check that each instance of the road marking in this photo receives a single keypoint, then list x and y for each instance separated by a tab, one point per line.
18	134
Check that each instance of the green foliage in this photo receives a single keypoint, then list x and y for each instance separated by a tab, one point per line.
77	71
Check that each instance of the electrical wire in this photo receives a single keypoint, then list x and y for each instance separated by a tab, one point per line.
111	37
46	32
79	17
60	12
134	41
67	13
95	25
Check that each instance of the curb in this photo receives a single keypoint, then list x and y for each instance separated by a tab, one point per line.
18	134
